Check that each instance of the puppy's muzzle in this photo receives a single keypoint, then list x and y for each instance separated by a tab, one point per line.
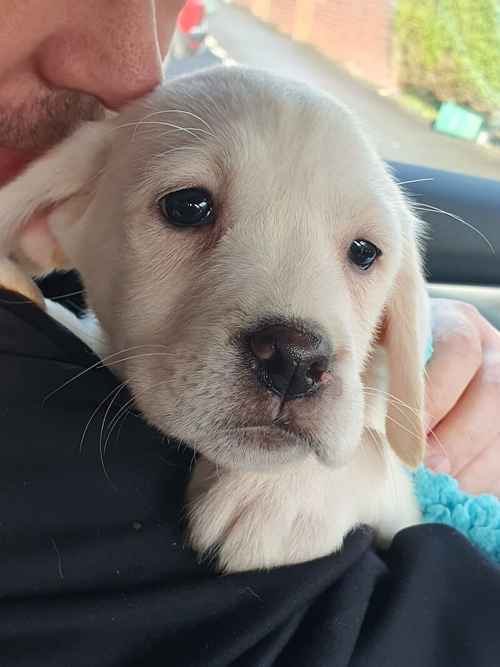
291	363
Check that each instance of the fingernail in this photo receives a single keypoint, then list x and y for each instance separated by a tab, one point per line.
438	463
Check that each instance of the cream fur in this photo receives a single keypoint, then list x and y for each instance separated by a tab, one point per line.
295	182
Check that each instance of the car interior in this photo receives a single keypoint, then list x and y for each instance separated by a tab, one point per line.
463	234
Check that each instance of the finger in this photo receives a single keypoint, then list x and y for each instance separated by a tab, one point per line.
456	337
471	425
482	474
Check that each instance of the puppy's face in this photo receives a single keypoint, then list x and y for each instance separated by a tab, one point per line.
239	248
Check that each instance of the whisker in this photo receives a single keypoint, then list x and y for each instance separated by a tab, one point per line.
414	180
181	111
400	404
118	415
115	420
188	130
401	409
94	413
177	149
101	452
193	460
138	356
124	407
64	296
403	428
101	364
422	206
394	399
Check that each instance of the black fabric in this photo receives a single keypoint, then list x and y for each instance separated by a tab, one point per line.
94	571
66	287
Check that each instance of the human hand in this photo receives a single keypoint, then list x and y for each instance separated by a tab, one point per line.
463	397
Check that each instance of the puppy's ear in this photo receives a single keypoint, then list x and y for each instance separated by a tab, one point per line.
405	330
64	172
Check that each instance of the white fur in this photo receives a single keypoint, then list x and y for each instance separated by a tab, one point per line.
295	182
87	328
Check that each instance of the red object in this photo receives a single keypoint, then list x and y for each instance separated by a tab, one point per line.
191	15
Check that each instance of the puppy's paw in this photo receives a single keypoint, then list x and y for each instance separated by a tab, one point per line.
251	521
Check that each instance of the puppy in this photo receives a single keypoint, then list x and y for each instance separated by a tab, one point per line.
249	256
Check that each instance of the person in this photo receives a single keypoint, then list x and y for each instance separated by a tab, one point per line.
191	16
94	568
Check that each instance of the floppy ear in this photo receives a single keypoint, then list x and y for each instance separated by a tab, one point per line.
65	171
405	335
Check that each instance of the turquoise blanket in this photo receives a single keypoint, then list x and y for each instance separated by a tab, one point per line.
476	517
442	501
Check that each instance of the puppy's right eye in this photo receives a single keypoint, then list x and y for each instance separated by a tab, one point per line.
363	253
192	207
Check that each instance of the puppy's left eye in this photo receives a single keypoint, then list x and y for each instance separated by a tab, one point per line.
191	207
363	253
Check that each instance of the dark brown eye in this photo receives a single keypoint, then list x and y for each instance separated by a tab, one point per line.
191	207
363	253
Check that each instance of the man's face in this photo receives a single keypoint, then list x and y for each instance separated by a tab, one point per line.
65	61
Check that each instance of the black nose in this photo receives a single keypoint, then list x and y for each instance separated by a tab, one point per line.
290	362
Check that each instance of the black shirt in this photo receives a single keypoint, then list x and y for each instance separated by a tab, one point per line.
94	571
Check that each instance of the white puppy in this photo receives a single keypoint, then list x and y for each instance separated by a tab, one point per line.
237	232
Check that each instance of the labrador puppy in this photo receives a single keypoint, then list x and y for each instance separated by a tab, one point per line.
255	274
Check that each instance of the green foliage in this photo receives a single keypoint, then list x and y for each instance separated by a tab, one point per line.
451	48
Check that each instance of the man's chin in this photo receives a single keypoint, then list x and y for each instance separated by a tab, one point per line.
13	162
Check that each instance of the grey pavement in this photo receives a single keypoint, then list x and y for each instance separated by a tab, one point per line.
195	62
397	133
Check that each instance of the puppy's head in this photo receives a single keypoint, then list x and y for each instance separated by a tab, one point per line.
241	244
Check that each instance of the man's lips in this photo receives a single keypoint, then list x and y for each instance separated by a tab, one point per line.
12	162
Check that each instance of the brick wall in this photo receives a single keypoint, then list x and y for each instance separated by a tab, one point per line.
356	34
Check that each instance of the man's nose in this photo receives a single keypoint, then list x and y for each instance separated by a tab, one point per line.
112	50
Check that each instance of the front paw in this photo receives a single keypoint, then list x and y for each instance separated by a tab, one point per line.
249	521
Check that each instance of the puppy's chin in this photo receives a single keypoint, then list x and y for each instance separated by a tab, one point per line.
256	448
